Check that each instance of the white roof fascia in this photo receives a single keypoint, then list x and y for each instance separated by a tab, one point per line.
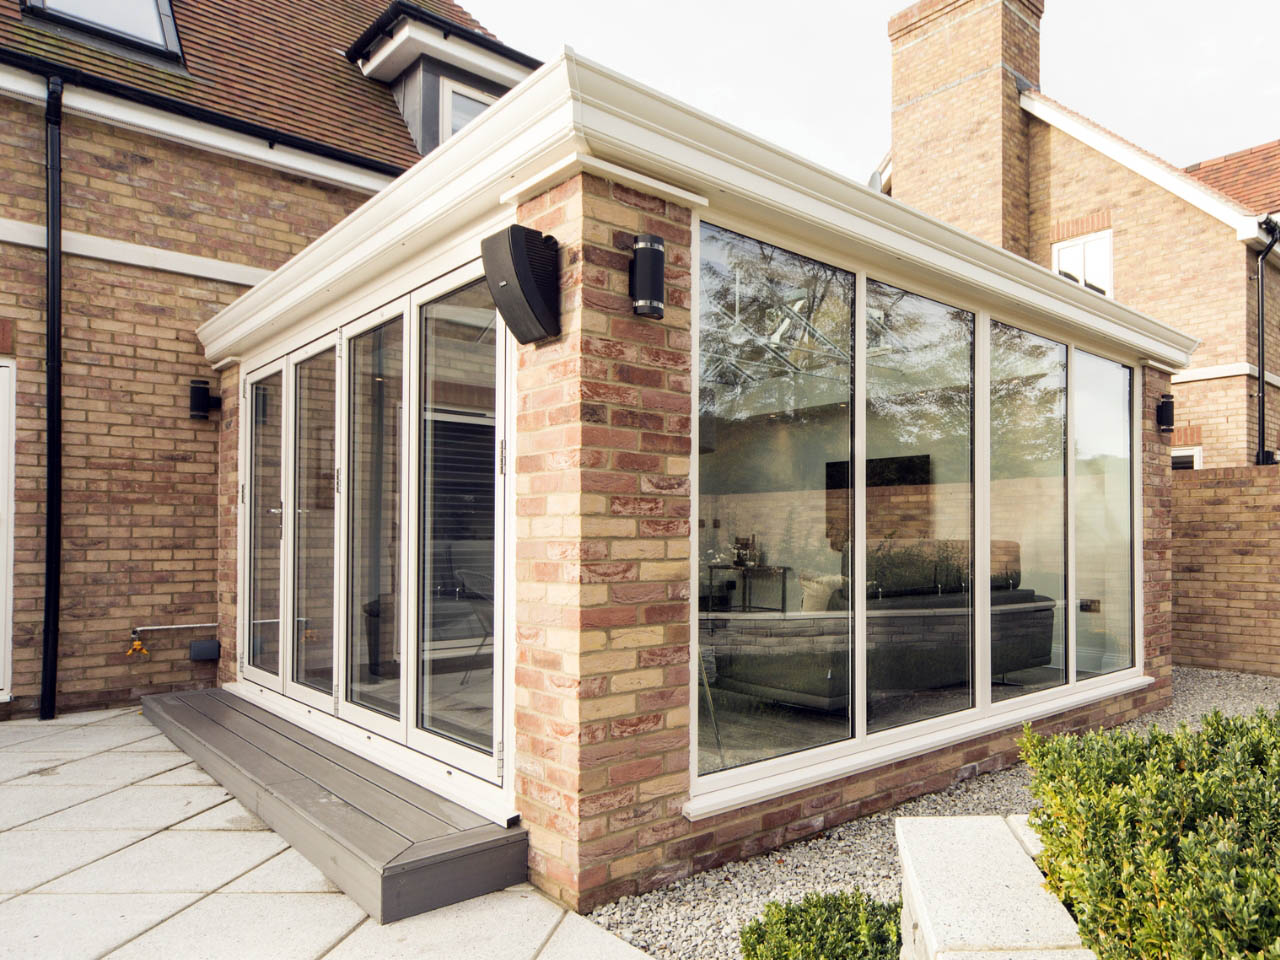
412	39
1182	186
573	106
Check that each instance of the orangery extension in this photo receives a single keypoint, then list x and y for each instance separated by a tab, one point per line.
618	494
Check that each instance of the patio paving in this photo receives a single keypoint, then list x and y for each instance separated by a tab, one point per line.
113	843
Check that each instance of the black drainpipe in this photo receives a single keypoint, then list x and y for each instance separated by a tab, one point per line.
53	398
1265	457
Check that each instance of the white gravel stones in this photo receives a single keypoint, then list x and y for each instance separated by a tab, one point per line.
699	918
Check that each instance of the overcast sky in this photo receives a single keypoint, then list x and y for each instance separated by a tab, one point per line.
1187	81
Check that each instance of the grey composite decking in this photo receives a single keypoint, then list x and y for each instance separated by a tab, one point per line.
394	847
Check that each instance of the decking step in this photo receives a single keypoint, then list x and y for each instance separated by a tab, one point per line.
393	846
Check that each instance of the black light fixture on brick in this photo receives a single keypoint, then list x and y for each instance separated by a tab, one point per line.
648	268
202	400
1164	413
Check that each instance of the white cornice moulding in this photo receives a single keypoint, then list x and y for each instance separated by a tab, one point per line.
572	108
413	39
1222	371
135	254
582	163
1182	186
204	136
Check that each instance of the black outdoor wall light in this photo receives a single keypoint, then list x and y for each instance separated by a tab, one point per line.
202	401
648	267
1164	413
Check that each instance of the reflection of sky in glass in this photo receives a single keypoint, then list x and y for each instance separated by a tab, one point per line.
1102	407
136	18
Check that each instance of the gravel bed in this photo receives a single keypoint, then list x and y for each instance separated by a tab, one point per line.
700	917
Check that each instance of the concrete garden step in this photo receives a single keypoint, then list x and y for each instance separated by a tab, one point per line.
394	847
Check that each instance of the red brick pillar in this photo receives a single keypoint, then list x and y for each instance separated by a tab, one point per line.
1156	477
228	514
603	546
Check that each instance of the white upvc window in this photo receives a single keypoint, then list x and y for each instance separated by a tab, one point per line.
1187	458
1086	260
459	105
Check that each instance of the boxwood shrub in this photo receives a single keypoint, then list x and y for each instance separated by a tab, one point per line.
1165	846
832	926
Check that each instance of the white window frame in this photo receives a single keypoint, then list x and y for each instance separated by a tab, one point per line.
8	434
448	87
730	789
1082	241
170	48
1195	453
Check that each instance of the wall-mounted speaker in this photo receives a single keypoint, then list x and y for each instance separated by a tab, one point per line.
523	270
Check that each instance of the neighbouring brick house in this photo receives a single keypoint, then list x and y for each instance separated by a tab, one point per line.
977	143
192	165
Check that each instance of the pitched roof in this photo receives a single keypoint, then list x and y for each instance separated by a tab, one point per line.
1251	177
278	65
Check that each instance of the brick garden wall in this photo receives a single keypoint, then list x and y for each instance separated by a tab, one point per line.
1226	551
146	505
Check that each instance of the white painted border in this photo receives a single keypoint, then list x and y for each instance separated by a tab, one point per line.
8	434
1195	453
75	244
1221	372
118	112
448	87
413	39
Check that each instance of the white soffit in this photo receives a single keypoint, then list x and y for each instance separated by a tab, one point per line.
1181	185
573	106
119	112
413	39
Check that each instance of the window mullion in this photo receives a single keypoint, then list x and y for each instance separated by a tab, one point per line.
982	510
859	484
1073	601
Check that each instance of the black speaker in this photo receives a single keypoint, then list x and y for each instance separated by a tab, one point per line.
523	270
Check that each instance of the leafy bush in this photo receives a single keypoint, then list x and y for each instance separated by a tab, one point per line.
1165	846
833	926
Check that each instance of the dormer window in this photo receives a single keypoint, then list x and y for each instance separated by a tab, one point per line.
1086	260
459	105
144	23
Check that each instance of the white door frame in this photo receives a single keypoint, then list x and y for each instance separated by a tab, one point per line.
8	432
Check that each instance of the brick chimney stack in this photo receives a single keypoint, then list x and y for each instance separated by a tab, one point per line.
959	135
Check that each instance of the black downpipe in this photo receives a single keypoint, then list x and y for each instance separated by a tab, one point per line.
53	398
1265	456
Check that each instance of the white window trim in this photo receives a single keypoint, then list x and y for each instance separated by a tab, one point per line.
448	87
733	788
1195	453
1080	241
8	434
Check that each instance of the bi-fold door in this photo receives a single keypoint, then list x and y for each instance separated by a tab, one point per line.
375	539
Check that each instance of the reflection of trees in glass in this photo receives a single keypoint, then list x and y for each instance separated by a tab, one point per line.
1028	403
772	322
919	367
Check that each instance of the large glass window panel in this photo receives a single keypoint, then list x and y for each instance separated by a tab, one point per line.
774	531
463	109
376	422
919	504
1028	512
459	500
265	523
314	504
1104	515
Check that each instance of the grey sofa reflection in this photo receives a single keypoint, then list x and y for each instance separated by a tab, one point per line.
918	623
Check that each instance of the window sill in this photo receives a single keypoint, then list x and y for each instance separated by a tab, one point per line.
716	801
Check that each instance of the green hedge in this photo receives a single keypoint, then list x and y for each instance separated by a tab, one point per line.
1165	846
833	926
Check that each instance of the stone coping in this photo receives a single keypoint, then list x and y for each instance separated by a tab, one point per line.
971	891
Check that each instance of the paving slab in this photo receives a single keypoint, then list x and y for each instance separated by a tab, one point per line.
82	740
187	775
74	719
287	872
1027	836
14	765
236	926
33	857
12	733
30	802
508	925
173	862
157	742
112	769
577	937
68	928
232	815
130	808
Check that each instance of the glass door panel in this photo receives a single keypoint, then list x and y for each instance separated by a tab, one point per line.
266	515
315	383
373	507
459	508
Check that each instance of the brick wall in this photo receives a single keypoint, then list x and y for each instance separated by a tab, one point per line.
143	483
1225	556
602	641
